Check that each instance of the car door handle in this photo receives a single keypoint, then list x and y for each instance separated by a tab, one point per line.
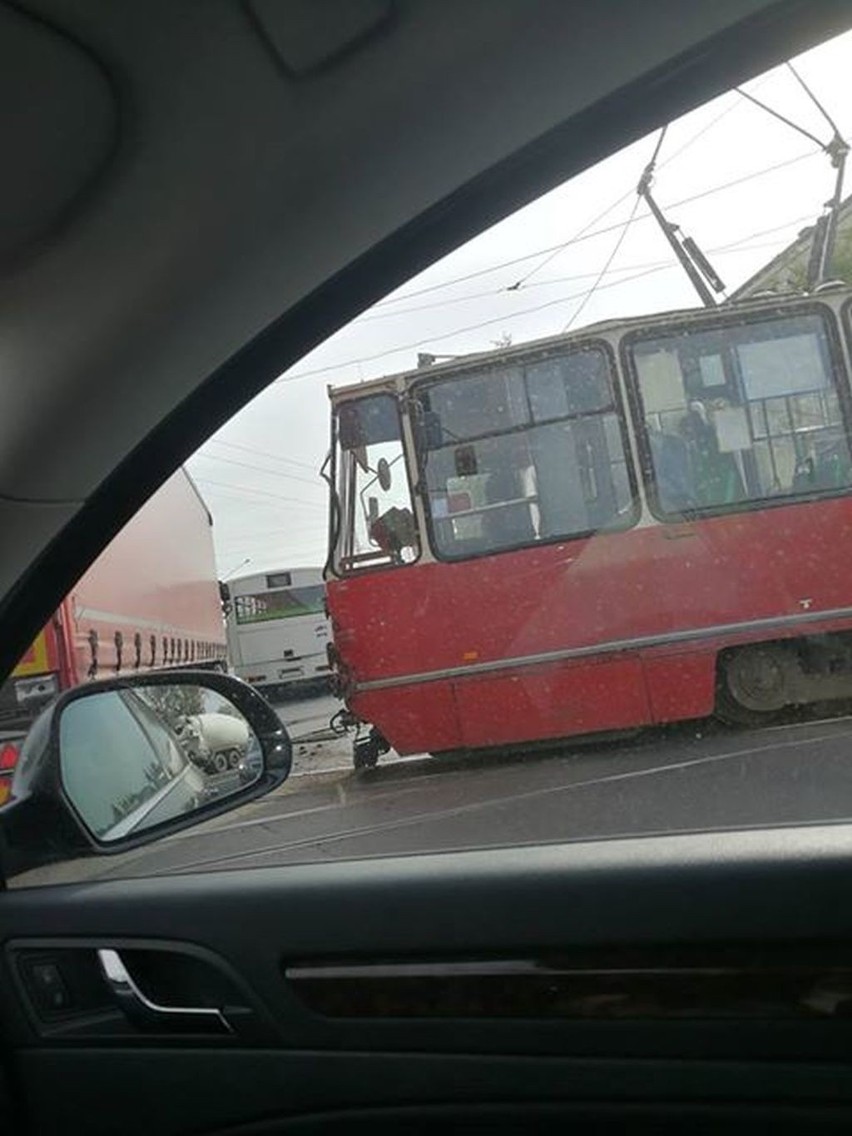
148	1014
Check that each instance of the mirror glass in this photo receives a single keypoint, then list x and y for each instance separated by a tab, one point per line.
136	757
383	472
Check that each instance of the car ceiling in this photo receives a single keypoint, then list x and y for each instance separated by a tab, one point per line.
178	175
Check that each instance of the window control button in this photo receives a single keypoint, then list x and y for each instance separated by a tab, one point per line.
48	987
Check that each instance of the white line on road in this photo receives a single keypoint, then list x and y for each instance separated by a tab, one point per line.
476	806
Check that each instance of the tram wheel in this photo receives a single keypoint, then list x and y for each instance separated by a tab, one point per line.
753	685
365	755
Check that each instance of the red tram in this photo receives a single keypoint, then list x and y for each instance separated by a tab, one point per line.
640	522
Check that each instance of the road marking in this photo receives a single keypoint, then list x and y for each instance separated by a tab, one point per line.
476	806
802	725
341	802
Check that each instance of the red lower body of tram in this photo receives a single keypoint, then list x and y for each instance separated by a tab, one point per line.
610	632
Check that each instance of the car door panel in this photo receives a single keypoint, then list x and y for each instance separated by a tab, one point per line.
571	909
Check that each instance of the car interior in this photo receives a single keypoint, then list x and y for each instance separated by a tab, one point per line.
193	197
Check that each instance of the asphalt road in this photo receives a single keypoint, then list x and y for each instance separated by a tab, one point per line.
694	777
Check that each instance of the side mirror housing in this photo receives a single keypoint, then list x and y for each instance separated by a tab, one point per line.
119	763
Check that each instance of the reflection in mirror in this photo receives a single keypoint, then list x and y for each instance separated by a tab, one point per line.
383	472
136	757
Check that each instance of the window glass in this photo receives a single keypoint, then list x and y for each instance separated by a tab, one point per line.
482	404
557	467
110	760
578	383
584	537
373	514
283	603
742	414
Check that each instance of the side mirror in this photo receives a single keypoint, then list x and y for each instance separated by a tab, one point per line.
122	762
384	475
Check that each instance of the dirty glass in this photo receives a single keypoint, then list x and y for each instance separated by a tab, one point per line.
372	511
282	603
585	534
744	413
523	454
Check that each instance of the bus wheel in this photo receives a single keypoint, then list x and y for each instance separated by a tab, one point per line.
753	685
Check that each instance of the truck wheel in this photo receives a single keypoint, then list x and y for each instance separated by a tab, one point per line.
220	762
752	685
234	758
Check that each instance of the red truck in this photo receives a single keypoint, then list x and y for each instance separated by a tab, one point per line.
151	600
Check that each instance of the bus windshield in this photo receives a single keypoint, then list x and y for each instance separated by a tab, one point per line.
283	603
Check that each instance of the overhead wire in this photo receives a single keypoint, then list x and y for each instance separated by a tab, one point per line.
262	454
521	282
247	489
491	292
642	271
613	254
580	235
290	378
587	232
658	267
248	545
317	484
242	546
620	240
741	180
588	236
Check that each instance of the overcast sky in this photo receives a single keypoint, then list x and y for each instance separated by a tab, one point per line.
259	474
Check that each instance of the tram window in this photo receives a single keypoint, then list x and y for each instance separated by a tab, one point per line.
553	466
374	514
571	384
479	405
741	414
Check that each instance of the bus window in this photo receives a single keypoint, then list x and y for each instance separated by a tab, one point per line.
541	458
283	603
741	414
375	518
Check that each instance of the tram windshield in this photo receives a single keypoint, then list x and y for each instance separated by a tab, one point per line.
374	498
533	451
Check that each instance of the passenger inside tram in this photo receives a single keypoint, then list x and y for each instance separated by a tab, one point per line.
714	474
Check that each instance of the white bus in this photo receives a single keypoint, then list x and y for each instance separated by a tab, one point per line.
277	628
